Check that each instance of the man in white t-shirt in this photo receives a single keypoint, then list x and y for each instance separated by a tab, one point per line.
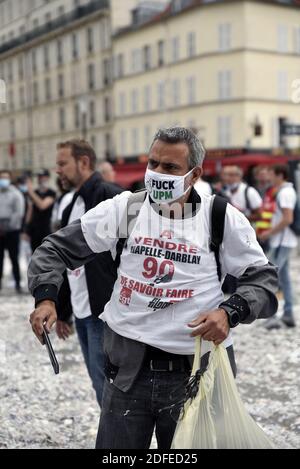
282	241
243	197
203	187
78	298
168	290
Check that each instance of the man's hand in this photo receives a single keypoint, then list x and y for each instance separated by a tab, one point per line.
44	313
63	330
213	326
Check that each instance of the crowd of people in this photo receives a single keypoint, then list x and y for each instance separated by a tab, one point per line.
271	207
78	271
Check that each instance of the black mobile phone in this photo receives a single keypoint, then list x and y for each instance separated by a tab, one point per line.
51	353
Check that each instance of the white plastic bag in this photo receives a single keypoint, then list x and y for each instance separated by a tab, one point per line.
216	418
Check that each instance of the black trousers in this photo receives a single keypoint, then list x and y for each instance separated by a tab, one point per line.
11	242
128	419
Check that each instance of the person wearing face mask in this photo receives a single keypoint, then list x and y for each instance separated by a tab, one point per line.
42	201
245	198
168	288
12	209
25	247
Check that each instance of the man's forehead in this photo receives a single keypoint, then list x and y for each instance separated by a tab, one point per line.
64	152
169	151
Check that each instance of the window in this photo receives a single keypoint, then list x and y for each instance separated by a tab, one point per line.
92	113
147	98
46	57
134	101
224	79
283	85
175	49
10	74
120	66
176	92
107	146
282	33
106	72
90	40
224	131
224	36
147	57
148	137
61	88
135	141
22	97
11	100
122	104
123	142
76	116
94	142
161	95
91	77
107	113
136	60
62	118
191	90
21	68
48	89
34	61
59	46
35	91
191	44
75	47
161	53
60	11
48	19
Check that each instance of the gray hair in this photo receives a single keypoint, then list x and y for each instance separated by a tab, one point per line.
183	135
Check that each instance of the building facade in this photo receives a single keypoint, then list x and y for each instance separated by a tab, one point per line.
115	71
55	61
225	68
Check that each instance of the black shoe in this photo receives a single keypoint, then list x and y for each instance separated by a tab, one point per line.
19	290
288	321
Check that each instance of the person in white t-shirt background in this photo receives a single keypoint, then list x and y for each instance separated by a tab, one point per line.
203	187
242	196
282	241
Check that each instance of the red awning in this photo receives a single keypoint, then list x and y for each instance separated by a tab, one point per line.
128	174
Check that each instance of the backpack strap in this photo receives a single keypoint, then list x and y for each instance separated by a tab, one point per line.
218	211
248	205
127	222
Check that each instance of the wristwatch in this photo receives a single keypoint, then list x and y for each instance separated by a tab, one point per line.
233	315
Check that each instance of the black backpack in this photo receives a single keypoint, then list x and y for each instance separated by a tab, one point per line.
218	212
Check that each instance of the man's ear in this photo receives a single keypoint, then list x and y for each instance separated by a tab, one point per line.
84	162
196	174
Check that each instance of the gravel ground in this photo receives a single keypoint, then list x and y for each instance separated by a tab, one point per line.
41	410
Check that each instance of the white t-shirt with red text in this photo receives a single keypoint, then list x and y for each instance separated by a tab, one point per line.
167	274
